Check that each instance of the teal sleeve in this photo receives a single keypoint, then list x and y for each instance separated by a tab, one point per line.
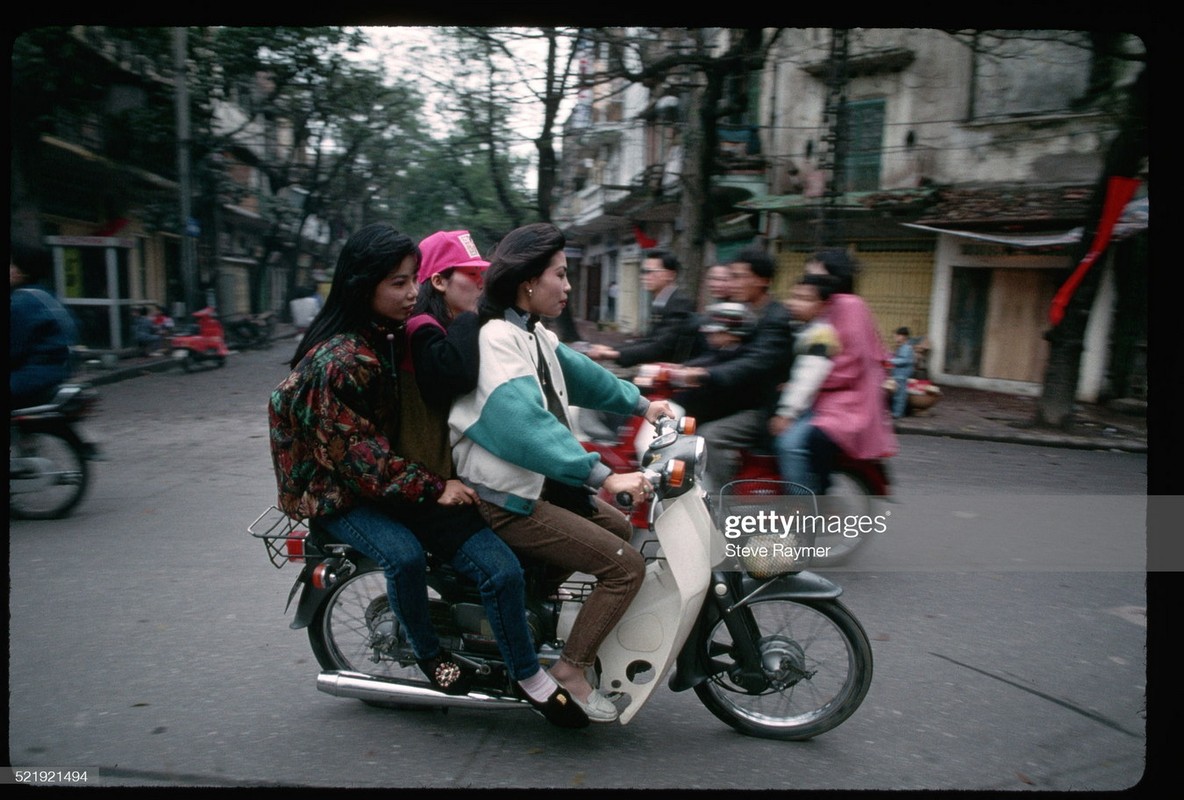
592	386
515	427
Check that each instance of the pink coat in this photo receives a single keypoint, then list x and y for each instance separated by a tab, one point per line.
851	408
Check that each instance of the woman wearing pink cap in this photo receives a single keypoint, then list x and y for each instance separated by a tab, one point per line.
442	333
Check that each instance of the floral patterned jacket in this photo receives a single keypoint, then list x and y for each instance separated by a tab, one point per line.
333	421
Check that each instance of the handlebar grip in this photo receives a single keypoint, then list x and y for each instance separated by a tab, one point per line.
625	499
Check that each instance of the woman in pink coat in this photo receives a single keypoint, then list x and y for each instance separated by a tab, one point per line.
849	413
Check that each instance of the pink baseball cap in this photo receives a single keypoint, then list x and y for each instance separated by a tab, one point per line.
444	249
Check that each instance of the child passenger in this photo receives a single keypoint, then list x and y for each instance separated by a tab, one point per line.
815	345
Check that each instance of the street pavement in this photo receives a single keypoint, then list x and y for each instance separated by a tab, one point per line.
959	413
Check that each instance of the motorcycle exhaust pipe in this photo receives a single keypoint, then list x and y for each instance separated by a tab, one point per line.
367	687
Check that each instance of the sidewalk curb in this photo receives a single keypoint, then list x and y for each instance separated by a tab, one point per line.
124	373
1067	441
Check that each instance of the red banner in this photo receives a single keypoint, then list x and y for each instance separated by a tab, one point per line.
1119	191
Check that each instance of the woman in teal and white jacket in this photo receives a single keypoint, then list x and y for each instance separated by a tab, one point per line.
513	444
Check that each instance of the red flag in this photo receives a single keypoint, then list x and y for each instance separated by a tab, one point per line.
1119	191
643	241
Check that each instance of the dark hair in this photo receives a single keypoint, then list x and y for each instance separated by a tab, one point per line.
902	330
368	256
523	254
758	260
430	301
34	261
840	264
668	259
825	284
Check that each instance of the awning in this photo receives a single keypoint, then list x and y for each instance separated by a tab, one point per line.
1133	220
883	200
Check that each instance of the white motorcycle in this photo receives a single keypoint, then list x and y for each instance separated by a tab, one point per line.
768	649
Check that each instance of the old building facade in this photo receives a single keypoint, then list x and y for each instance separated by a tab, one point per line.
956	168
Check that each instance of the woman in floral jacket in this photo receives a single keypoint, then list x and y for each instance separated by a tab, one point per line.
335	428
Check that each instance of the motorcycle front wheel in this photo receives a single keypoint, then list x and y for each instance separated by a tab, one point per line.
355	630
47	475
815	669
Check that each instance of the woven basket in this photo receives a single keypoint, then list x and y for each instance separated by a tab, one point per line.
777	559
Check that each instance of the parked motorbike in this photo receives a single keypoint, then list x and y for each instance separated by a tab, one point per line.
250	331
202	343
48	470
767	648
857	486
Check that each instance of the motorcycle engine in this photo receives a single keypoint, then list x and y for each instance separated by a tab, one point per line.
476	632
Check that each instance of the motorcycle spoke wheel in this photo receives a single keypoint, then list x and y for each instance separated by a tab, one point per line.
355	630
815	670
47	476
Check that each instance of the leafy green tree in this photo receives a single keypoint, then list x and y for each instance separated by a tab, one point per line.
349	128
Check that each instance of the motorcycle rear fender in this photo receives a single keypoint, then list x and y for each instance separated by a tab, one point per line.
59	426
310	599
691	667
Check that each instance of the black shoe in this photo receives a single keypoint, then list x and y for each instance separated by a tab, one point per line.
560	709
446	675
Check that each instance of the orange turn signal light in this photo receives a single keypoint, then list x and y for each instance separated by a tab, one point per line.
676	473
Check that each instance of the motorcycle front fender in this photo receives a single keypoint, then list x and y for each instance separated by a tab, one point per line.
692	667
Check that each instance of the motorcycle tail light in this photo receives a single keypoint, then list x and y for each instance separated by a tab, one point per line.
323	576
677	472
295	546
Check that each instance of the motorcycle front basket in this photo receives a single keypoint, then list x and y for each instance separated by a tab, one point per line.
766	551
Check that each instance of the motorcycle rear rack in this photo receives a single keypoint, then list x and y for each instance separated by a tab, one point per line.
285	539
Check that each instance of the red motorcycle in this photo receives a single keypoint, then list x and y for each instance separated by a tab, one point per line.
857	486
202	343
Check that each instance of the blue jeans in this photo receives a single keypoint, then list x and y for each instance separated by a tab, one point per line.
484	558
900	398
805	454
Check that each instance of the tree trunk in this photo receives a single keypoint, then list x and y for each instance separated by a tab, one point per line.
1123	158
695	201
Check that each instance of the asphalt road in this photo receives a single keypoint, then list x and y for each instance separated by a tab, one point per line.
148	641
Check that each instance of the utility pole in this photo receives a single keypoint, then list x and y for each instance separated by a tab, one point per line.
828	228
188	250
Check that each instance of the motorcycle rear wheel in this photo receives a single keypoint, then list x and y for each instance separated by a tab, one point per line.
51	476
355	630
816	663
848	496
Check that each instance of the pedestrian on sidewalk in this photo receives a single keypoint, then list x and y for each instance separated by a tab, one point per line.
902	363
144	332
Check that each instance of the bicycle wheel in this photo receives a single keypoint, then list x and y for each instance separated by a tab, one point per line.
815	670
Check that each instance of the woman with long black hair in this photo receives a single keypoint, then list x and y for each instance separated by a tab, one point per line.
335	432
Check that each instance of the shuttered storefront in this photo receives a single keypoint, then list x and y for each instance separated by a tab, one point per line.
896	281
